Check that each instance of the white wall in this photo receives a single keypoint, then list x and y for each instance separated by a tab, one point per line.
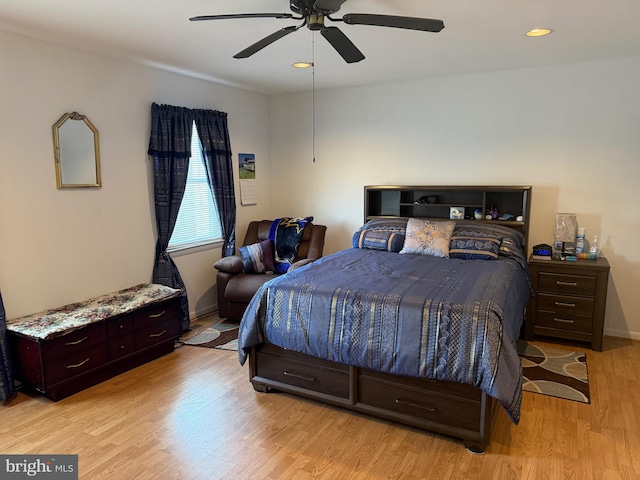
572	132
61	246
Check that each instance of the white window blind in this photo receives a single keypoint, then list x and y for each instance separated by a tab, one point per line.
198	222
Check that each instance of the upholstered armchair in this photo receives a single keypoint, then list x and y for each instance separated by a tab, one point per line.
235	287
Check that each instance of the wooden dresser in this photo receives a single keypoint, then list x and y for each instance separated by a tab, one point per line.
73	357
569	300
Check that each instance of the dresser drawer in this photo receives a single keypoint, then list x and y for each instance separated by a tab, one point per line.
319	378
121	346
79	340
157	324
565	305
119	326
74	363
574	323
571	284
415	402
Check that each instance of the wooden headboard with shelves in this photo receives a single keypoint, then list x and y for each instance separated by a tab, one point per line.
401	201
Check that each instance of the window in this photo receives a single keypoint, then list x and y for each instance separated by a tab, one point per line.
198	222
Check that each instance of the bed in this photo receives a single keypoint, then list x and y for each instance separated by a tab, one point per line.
391	331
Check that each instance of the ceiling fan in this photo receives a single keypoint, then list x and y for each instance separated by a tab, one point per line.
314	12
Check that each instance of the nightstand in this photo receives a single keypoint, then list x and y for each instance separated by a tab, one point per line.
569	300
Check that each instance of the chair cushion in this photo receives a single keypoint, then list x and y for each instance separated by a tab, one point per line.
243	286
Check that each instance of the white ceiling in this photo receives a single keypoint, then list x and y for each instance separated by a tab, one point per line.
479	36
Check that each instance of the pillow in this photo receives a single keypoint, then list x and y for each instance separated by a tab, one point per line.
257	257
398	225
427	237
389	241
512	245
286	234
474	246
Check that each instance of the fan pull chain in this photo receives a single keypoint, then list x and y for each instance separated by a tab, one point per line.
313	96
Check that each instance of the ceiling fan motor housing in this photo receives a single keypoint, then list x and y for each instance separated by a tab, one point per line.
315	21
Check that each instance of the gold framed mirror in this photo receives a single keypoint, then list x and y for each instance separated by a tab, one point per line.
76	150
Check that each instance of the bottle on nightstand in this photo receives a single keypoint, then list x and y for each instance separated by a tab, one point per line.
580	238
595	248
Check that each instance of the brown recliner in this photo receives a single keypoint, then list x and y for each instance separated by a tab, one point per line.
236	288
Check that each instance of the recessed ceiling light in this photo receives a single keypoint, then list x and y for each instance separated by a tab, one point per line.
538	32
302	64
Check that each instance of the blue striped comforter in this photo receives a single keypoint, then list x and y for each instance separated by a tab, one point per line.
414	315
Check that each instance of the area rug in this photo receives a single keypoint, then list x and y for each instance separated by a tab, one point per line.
223	336
554	372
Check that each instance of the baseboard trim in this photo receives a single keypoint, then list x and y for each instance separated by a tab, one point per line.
203	312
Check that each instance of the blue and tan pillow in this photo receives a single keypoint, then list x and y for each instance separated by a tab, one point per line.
257	257
512	245
472	245
428	237
390	241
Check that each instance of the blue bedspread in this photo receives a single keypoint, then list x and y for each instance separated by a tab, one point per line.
414	315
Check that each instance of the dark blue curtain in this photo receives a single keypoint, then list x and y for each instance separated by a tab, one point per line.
7	384
214	137
170	147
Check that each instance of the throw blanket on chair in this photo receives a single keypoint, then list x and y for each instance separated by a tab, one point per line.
286	234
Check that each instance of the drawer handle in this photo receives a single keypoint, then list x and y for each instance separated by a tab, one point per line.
151	335
301	377
156	315
563	320
567	284
564	304
78	364
416	405
77	341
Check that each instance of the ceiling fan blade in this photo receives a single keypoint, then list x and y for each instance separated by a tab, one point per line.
241	15
342	44
411	23
265	42
330	6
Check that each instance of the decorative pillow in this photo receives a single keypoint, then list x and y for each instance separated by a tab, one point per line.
378	240
427	237
286	234
398	225
512	245
474	246
257	257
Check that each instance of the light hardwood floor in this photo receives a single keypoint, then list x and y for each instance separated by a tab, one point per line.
194	415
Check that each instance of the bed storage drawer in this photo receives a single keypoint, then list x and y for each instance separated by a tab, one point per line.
419	403
457	390
329	379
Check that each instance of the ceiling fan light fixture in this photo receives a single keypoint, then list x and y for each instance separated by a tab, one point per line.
302	64
538	32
